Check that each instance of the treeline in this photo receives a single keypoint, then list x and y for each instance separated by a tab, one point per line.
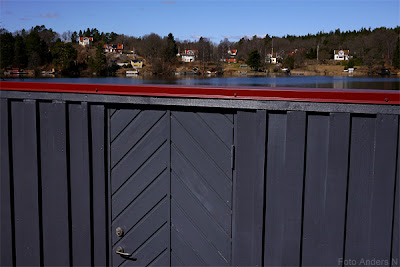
379	46
40	47
368	47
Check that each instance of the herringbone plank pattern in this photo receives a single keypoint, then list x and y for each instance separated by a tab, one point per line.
171	187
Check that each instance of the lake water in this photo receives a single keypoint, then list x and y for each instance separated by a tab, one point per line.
337	82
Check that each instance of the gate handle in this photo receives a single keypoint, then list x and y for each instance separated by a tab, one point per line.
120	251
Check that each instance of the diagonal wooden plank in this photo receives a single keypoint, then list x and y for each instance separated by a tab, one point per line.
203	164
145	231
133	133
206	139
186	255
153	252
161	259
139	154
229	116
175	260
203	192
138	192
121	120
142	206
194	237
112	111
150	170
219	125
200	216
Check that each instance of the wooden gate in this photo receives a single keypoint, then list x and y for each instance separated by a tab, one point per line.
171	187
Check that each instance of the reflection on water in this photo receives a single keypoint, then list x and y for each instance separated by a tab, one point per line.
287	81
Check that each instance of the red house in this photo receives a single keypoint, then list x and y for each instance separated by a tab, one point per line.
112	48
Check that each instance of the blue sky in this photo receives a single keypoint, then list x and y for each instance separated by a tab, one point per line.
188	19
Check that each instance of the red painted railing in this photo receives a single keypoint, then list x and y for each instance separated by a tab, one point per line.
255	93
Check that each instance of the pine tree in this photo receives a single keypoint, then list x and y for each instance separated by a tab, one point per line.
254	60
20	57
64	56
171	49
99	62
74	37
6	49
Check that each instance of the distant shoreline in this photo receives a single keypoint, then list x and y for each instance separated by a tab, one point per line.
230	70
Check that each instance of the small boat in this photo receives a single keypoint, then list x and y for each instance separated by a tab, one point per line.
129	72
52	72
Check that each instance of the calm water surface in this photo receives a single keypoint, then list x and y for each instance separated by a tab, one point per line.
336	82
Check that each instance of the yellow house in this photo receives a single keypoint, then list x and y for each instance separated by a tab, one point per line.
137	63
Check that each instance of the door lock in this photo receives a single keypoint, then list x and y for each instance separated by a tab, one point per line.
119	231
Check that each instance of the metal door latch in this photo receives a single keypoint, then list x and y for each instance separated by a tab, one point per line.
120	251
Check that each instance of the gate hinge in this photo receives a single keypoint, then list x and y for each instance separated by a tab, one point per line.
233	157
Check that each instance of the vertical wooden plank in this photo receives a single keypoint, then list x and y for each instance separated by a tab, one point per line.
371	183
325	189
80	184
284	191
54	184
249	188
26	183
396	222
7	229
99	209
169	197
110	253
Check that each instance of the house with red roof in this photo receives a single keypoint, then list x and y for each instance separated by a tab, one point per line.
232	53
112	48
85	41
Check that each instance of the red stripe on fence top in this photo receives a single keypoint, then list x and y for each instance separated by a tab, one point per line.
230	92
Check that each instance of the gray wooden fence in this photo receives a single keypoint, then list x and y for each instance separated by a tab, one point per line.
174	181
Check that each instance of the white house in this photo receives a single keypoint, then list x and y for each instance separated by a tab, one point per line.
112	48
188	55
123	64
271	58
341	54
84	41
